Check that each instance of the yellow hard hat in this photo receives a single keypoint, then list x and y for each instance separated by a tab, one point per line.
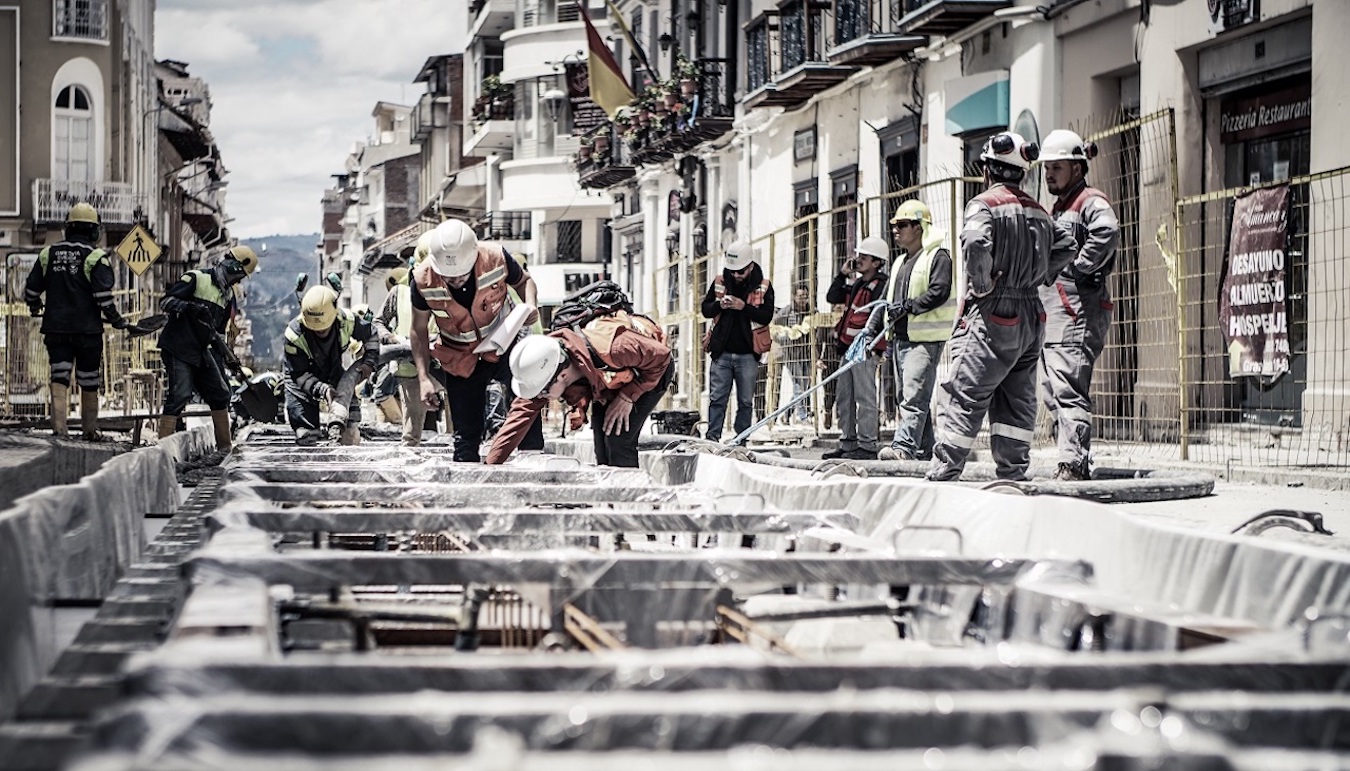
396	276
318	308
911	211
423	248
82	212
246	257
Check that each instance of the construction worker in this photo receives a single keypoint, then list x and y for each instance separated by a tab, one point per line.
199	306
1009	243
923	309
315	342
462	285
620	364
77	279
395	324
740	303
860	281
792	331
1078	303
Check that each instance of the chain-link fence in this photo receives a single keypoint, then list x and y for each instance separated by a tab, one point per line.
1263	325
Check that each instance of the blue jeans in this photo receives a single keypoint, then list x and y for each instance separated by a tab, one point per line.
915	373
742	368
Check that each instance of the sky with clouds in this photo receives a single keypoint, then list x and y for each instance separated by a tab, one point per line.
293	84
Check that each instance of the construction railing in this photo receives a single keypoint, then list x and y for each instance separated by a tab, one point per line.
1264	383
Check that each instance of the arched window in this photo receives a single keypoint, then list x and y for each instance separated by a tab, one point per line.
72	127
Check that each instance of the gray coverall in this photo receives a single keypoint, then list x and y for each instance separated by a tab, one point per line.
1078	311
1010	246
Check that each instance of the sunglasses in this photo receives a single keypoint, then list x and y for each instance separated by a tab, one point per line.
904	223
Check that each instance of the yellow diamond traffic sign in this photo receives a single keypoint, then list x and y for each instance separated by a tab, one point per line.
139	250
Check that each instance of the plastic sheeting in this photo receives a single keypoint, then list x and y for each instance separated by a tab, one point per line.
1268	584
71	542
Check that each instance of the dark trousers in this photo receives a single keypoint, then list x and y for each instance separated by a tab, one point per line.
302	409
81	354
621	449
468	398
184	379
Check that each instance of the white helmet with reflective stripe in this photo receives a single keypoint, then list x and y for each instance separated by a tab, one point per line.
453	249
1010	149
1065	145
535	362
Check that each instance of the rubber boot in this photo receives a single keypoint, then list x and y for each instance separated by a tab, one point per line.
89	414
60	409
168	424
351	434
220	420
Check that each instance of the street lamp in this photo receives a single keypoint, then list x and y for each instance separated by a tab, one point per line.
553	101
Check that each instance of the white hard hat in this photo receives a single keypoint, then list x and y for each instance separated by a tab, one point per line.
739	256
874	246
1065	145
454	249
535	362
1010	149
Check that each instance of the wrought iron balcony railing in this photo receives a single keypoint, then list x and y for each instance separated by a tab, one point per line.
115	202
504	226
787	54
604	158
869	32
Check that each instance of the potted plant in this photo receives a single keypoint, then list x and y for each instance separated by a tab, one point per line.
669	96
584	149
601	143
687	72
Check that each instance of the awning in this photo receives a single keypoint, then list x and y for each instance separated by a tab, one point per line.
977	102
465	191
393	251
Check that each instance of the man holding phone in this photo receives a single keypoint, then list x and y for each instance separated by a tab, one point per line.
861	280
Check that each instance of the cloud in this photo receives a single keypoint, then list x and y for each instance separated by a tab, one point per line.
292	85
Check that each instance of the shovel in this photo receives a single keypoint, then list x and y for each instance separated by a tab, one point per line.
859	349
147	325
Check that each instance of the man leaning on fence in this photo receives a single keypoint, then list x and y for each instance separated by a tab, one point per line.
77	280
1010	247
1078	305
860	281
923	310
740	303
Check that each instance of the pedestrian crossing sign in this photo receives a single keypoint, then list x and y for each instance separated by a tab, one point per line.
138	250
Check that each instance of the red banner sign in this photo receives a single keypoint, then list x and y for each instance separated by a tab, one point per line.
1252	309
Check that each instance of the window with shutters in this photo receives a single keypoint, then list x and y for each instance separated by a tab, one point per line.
72	135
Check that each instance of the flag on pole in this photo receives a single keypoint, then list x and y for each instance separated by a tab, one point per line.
632	41
609	89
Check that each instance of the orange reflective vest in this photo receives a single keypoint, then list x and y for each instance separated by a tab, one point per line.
461	329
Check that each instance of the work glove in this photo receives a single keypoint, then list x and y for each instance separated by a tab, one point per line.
119	323
232	362
327	392
35	311
1088	280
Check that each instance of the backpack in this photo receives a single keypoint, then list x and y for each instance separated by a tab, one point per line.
600	298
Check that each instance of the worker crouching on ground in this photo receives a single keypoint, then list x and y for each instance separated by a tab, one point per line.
1010	247
462	285
77	280
620	364
315	341
199	306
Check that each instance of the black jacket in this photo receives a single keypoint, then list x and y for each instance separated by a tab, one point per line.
77	279
731	333
199	306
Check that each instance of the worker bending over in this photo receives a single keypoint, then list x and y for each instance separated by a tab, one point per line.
315	341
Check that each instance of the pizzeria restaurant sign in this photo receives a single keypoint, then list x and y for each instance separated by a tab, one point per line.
1270	114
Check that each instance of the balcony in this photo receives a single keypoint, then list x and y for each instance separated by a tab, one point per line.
491	18
116	202
603	160
423	118
494	125
867	32
504	226
666	121
786	55
80	19
943	17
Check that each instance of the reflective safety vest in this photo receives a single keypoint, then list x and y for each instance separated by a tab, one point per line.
599	334
89	261
935	325
461	329
295	335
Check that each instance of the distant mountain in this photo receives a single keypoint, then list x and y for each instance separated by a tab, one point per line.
271	302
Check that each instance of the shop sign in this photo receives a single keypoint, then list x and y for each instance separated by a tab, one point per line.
1270	114
1252	309
586	114
1231	14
